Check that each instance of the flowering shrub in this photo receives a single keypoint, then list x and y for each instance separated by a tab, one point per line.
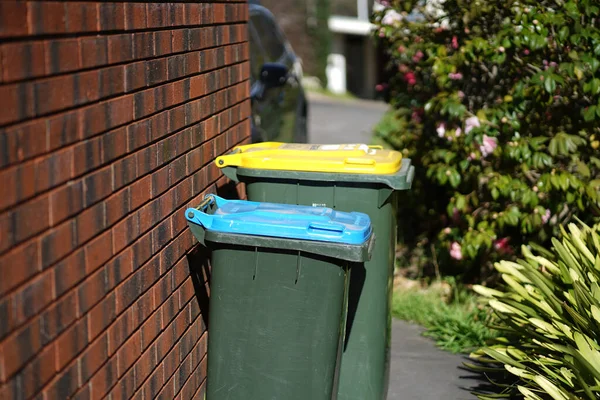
498	106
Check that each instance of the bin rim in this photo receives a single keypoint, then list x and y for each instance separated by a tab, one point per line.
401	180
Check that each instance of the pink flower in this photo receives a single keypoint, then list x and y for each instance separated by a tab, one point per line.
401	49
553	64
418	56
454	42
402	68
455	76
502	247
470	123
488	146
546	217
447	230
461	94
384	3
379	87
410	78
526	52
381	33
456	251
472	156
458	132
441	129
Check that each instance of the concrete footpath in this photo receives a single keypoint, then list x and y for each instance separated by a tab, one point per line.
421	371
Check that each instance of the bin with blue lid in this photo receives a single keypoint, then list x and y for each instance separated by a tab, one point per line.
279	287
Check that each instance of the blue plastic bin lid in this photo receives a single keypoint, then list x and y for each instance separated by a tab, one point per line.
281	221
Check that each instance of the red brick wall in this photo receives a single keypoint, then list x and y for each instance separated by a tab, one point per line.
110	116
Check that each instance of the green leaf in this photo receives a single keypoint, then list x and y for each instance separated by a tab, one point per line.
563	33
550	85
589	114
583	169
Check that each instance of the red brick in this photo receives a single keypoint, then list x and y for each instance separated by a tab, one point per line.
101	316
129	353
97	186
125	388
142	250
18	104
58	242
120	48
23	224
121	111
22	60
145	365
169	310
71	343
98	252
93	357
91	222
162	42
63	129
88	155
59	316
143	45
198	86
35	374
186	292
114	144
92	290
81	17
69	271
156	71
125	232
13	19
135	76
141	192
151	328
94	51
143	307
135	16
54	94
33	297
180	40
177	14
104	380
62	55
53	169
117	206
120	330
144	103
66	201
21	346
157	15
112	81
26	257
112	16
154	383
119	268
65	384
124	171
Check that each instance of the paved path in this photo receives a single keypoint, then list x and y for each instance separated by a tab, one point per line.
342	121
419	371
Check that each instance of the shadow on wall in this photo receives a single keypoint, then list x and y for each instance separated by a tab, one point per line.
199	260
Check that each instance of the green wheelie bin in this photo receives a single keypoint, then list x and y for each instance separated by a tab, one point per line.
278	295
347	178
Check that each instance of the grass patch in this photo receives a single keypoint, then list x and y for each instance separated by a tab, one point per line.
453	316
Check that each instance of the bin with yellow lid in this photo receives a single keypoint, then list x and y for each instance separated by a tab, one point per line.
346	177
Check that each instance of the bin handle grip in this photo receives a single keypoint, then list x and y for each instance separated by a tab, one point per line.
200	215
326	228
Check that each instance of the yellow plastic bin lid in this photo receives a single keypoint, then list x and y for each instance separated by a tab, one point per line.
341	158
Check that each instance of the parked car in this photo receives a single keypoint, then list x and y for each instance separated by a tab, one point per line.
279	106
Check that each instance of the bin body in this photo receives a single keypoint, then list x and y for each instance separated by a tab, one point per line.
277	307
276	332
364	371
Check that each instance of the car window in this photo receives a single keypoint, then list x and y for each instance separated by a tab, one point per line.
257	54
269	36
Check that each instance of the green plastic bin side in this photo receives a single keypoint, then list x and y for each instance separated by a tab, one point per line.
274	331
277	315
364	371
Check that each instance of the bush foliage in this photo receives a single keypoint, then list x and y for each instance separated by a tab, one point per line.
497	103
549	316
